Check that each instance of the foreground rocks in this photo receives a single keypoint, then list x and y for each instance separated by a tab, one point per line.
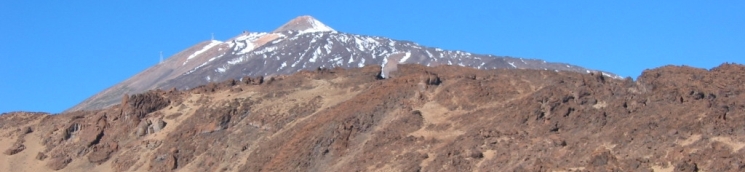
442	118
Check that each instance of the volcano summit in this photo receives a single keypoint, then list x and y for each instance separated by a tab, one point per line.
303	43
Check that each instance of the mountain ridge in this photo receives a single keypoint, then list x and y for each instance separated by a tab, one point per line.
303	43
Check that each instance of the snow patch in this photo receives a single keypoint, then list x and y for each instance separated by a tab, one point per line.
328	47
366	43
203	64
245	43
265	50
362	63
316	26
247	47
198	52
406	57
607	75
359	43
316	54
284	64
343	38
392	44
236	61
253	36
336	59
277	41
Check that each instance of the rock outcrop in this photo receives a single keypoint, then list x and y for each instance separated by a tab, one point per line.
444	118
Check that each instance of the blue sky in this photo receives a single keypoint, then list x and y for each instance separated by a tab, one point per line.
57	53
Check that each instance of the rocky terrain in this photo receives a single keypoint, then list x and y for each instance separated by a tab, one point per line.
302	44
443	118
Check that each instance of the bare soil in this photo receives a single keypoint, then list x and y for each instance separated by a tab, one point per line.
444	118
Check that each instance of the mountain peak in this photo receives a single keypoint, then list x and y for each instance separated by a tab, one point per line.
304	24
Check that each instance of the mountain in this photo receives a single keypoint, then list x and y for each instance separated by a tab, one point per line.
303	43
443	118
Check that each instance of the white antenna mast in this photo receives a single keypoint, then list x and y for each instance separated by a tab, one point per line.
161	57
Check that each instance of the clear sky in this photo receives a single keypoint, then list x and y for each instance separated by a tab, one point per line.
54	54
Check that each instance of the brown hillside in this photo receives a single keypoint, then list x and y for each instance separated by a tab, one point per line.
443	118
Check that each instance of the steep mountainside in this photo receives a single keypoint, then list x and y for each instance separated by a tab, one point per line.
444	118
303	43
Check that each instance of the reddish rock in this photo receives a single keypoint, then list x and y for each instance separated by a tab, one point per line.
444	118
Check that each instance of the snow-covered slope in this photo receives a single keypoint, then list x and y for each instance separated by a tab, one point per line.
293	51
304	43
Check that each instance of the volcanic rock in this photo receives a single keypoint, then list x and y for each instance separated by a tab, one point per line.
443	118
